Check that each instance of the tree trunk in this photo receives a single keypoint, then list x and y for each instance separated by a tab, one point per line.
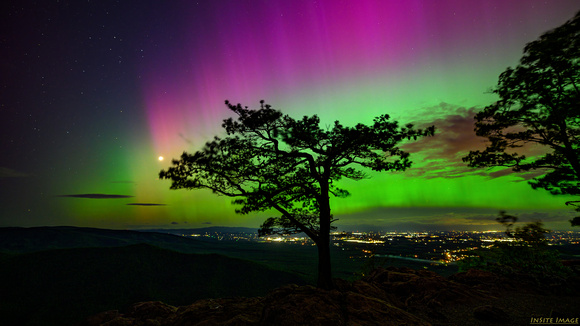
323	244
324	266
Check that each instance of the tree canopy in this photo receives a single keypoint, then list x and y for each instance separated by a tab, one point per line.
527	253
539	103
532	234
270	161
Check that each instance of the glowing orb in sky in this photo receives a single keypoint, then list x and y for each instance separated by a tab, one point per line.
160	158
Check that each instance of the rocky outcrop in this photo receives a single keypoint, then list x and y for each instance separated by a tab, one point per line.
286	306
490	313
420	288
233	311
391	296
306	305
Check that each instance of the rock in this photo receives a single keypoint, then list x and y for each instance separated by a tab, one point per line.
226	311
476	277
490	313
122	321
418	288
363	310
486	281
151	310
303	305
102	318
369	289
307	305
288	305
387	296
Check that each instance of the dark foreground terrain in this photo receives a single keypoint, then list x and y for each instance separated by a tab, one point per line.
392	296
61	275
63	286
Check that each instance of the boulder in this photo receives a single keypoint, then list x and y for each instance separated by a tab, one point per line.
491	314
483	280
289	305
226	311
102	317
420	288
151	310
311	306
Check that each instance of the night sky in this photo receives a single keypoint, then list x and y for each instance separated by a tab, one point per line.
93	93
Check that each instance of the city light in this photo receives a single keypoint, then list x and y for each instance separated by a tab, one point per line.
436	247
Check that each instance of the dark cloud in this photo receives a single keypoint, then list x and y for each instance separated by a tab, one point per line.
454	138
414	226
207	223
454	132
483	217
442	154
184	138
10	173
96	196
174	223
146	204
545	217
447	218
416	213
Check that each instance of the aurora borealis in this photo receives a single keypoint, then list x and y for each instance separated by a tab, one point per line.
93	93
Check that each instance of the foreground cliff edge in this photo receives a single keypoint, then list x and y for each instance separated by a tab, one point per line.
391	296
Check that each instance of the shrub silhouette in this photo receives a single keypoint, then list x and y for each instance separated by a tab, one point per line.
525	253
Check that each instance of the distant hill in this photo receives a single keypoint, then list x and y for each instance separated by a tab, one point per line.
295	258
209	229
61	287
287	258
24	240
